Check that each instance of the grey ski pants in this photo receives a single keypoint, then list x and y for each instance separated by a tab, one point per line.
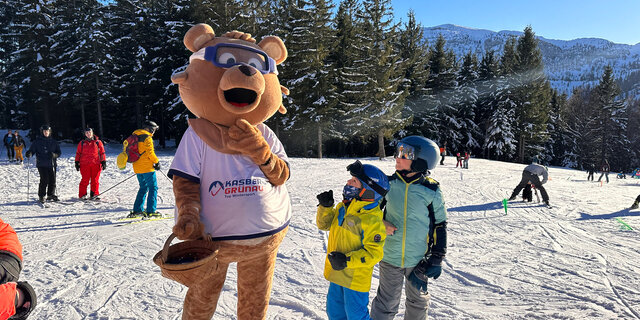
385	304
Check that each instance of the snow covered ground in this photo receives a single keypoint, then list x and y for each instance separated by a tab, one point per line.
569	262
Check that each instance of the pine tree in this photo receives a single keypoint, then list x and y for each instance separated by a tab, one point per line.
467	99
439	121
415	59
382	117
30	67
487	84
532	97
612	120
350	78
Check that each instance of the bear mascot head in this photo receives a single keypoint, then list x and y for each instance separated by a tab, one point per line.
231	77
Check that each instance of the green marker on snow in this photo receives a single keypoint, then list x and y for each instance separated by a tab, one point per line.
624	225
504	204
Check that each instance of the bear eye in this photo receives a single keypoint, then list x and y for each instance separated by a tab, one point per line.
256	63
226	58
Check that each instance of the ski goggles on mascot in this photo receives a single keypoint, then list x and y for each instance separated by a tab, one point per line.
227	55
405	151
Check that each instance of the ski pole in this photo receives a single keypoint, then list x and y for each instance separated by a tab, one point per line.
28	173
103	192
165	176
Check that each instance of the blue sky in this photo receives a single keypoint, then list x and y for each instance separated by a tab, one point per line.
614	20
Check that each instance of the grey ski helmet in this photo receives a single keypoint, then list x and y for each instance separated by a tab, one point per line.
425	152
148	124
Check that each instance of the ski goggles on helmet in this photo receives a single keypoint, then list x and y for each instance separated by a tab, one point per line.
227	55
357	170
405	151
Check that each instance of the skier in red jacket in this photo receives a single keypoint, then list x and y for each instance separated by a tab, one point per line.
90	161
17	298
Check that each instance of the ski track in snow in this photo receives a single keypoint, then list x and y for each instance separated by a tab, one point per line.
569	262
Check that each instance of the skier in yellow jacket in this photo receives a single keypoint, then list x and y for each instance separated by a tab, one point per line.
145	168
356	240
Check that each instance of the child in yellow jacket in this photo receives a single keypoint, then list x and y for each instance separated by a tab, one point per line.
356	239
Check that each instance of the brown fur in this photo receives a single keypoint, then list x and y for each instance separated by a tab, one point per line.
187	193
230	127
255	265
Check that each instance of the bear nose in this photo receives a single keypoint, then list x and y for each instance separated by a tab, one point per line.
247	70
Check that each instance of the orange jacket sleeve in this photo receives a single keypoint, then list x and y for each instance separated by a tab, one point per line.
9	240
7	300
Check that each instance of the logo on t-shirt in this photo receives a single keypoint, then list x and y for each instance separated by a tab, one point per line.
238	187
215	187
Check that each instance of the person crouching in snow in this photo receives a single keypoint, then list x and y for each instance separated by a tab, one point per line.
530	175
90	161
356	239
17	298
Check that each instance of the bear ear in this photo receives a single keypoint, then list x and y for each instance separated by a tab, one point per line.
275	48
197	36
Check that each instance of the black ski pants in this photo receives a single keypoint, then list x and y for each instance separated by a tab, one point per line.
11	152
47	181
590	176
526	177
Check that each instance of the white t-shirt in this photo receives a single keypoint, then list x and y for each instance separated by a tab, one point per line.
238	201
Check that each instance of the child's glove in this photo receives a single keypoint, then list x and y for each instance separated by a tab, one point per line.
338	260
326	199
28	154
77	165
103	164
429	268
156	166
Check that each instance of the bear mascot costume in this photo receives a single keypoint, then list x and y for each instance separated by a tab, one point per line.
229	169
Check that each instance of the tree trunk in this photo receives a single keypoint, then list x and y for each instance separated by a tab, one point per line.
319	141
99	107
381	154
138	111
83	116
521	149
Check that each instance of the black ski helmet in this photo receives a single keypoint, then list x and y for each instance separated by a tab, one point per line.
45	127
148	124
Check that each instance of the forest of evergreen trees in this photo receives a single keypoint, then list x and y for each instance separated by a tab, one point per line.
358	80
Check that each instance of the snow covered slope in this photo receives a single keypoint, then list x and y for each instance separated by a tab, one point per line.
568	64
569	262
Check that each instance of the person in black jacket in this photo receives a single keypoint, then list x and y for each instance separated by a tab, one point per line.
591	169
8	141
47	151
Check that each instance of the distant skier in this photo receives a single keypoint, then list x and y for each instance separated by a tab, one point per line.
530	174
465	160
17	298
591	169
18	146
9	141
443	153
459	160
145	168
605	170
90	161
46	150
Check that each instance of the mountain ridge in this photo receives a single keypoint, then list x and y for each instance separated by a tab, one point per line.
567	63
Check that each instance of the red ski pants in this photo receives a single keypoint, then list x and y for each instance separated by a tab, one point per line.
90	172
